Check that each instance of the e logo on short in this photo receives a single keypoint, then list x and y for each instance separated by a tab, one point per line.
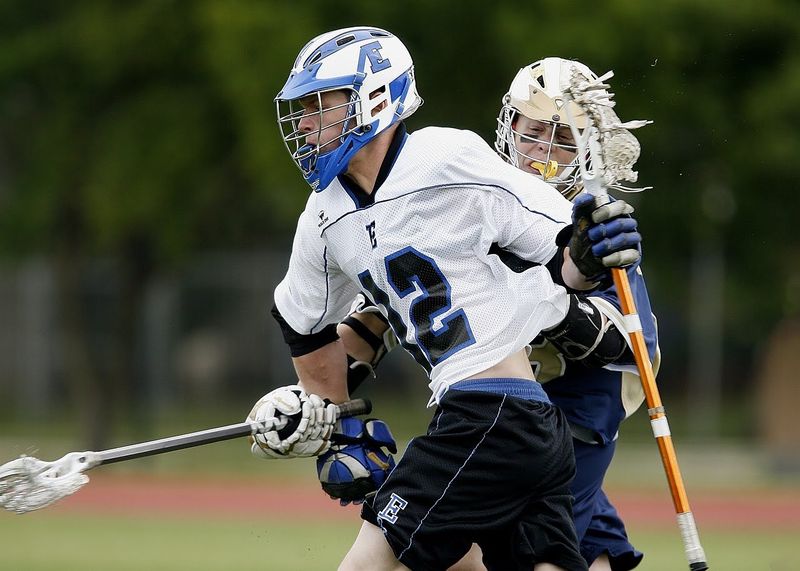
389	513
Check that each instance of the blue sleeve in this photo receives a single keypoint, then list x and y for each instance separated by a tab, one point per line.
642	300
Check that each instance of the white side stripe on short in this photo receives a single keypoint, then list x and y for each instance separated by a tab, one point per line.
453	479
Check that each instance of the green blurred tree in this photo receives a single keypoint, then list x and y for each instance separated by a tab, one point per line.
141	133
144	132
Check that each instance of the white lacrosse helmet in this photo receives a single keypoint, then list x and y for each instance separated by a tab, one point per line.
375	68
537	92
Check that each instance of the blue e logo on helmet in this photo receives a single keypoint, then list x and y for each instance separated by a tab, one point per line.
376	61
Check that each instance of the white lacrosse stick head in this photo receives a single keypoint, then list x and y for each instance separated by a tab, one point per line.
607	148
28	484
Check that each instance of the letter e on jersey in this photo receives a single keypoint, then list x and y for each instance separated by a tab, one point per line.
371	231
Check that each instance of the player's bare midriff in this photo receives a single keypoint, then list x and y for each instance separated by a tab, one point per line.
515	366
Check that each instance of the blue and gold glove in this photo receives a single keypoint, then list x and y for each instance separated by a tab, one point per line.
604	235
356	464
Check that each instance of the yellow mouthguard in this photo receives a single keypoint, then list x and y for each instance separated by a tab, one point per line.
547	170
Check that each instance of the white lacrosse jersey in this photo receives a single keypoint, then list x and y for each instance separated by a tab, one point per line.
421	253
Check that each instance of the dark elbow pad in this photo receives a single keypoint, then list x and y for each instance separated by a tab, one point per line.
300	344
588	336
358	371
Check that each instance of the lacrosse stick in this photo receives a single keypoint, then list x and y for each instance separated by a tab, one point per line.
607	151
28	484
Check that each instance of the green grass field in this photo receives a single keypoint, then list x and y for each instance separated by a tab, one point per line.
67	540
47	542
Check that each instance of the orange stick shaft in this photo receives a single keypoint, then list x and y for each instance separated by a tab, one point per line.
652	397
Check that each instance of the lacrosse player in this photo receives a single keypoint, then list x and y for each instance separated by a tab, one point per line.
469	258
590	376
595	391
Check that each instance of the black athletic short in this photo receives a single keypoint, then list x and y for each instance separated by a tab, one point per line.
493	469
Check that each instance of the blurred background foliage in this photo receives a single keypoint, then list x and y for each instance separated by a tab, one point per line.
143	133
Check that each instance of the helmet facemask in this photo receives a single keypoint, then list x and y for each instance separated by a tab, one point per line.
536	98
563	176
307	155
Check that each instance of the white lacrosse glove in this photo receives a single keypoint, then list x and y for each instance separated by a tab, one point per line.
293	424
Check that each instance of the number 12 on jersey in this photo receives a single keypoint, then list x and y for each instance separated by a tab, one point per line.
407	270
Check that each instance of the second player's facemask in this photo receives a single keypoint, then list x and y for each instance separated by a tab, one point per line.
536	93
564	176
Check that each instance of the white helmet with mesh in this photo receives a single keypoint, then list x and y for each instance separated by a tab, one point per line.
376	71
537	92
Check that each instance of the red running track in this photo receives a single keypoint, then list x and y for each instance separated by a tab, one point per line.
246	498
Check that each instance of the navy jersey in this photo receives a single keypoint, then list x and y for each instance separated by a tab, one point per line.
597	400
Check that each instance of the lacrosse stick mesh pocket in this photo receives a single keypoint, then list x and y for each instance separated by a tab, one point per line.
28	484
